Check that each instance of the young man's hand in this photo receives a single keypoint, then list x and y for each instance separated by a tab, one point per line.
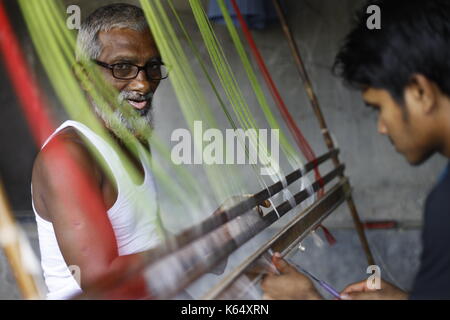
360	291
289	285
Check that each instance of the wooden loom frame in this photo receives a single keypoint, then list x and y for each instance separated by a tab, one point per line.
306	221
296	230
309	219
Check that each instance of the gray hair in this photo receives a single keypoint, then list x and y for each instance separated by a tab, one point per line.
117	15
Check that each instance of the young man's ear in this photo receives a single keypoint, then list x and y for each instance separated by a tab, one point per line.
422	93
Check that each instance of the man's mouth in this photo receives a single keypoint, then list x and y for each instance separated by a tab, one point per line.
138	104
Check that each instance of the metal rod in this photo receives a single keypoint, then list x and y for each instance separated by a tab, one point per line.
322	123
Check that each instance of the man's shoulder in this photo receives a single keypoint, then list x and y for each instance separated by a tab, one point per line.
54	167
440	194
437	215
61	153
68	142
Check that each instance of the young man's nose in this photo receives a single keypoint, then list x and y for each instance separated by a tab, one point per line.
381	127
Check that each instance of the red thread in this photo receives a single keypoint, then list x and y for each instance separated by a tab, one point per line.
24	85
330	238
38	119
299	138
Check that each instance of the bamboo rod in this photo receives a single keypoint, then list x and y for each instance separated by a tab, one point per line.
322	123
11	243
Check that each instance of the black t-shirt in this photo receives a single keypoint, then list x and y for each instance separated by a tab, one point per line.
433	279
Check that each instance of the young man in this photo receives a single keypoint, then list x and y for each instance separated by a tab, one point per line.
403	72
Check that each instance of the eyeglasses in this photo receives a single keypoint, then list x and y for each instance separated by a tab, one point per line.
155	70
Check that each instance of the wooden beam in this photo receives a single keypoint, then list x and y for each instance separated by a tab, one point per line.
10	240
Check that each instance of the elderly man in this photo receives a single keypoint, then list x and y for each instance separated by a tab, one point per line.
403	71
91	244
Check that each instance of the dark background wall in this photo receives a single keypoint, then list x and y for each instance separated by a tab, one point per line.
385	187
17	149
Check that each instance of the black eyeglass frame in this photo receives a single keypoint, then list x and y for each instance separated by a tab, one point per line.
139	68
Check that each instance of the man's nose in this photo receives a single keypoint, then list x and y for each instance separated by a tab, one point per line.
143	84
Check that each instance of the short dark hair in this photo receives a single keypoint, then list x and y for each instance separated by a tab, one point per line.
414	38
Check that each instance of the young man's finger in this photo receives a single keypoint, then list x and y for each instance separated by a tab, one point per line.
267	297
355	287
280	264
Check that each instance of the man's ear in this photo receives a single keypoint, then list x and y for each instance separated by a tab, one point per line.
422	93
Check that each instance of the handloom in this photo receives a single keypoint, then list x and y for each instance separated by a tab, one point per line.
182	259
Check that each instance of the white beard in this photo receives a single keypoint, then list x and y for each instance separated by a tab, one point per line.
140	126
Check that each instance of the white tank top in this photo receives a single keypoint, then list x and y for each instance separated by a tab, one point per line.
135	223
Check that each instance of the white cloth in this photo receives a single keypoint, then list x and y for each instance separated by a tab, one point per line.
133	218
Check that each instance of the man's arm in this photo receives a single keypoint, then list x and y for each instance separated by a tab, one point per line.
82	227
